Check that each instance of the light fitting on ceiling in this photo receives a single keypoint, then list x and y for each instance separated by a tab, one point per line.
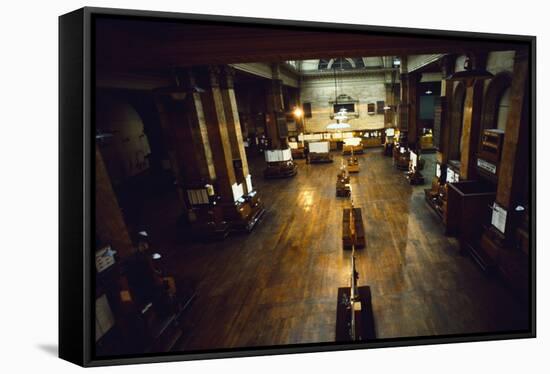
340	117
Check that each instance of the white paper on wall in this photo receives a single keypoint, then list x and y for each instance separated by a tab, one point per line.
498	218
452	177
198	196
278	155
272	156
301	137
104	258
237	191
352	141
104	319
413	159
249	183
293	145
319	147
286	155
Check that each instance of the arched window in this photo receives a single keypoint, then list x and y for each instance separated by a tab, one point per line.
502	112
341	63
496	102
123	143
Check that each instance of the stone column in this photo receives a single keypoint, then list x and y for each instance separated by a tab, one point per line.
110	226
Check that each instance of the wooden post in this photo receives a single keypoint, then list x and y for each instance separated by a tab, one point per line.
514	160
412	86
274	106
234	125
185	133
470	129
447	68
218	135
110	226
471	121
403	121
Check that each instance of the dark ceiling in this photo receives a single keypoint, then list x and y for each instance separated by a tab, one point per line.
137	44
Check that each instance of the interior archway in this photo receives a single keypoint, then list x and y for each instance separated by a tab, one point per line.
496	102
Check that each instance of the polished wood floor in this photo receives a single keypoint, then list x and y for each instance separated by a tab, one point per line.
278	284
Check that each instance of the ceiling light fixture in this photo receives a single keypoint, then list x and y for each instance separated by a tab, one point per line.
341	116
340	123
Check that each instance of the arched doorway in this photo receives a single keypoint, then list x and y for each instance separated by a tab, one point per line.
496	102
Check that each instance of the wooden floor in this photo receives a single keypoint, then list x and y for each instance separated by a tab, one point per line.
279	284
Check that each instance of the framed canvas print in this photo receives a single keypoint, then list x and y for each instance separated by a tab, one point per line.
235	186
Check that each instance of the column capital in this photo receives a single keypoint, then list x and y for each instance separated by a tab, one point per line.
213	74
227	77
413	77
186	79
447	65
403	67
478	60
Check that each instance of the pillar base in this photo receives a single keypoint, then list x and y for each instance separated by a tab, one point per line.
512	263
313	157
298	153
244	216
280	169
388	149
203	223
352	149
415	178
400	160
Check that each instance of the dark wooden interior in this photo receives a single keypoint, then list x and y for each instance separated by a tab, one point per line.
244	243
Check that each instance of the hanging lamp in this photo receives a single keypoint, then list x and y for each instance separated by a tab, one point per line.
341	116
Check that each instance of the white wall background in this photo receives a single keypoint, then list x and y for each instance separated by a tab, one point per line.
368	89
28	192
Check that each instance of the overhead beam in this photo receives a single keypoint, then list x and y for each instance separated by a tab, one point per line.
164	45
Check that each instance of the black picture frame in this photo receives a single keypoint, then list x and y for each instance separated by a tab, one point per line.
76	183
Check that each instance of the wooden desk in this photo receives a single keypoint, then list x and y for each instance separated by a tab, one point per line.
347	241
364	328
